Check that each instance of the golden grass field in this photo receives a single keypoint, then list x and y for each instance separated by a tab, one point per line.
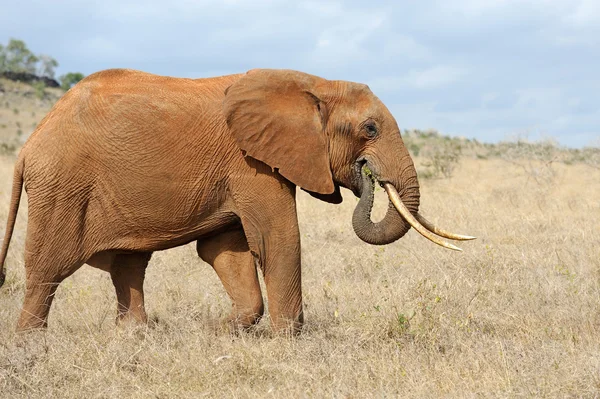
516	314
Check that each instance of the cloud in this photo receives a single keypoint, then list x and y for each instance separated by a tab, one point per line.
346	40
434	77
482	69
586	13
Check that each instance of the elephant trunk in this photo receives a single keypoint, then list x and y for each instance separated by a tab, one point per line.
393	226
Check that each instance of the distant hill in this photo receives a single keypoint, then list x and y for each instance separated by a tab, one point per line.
22	107
438	155
27	77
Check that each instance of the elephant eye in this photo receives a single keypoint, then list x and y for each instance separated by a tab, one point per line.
371	129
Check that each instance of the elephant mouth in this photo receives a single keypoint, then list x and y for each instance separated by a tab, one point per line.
366	184
358	184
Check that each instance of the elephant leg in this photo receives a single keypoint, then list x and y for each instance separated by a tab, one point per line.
272	232
39	293
45	269
127	273
283	282
229	255
49	259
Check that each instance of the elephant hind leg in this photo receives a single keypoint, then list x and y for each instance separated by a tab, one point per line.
41	284
229	255
127	272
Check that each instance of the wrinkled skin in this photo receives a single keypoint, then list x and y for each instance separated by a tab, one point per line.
128	163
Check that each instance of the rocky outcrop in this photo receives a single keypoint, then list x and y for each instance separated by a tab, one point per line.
27	77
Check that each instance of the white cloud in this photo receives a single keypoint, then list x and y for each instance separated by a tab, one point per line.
322	8
404	47
345	41
471	8
428	78
99	46
480	68
586	13
539	99
437	76
489	97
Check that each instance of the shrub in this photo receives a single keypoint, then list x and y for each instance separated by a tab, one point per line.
441	159
534	158
70	79
16	57
7	148
47	65
40	89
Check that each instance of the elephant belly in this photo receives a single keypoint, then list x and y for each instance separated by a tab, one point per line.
149	237
102	260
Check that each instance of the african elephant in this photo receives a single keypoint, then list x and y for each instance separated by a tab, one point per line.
128	163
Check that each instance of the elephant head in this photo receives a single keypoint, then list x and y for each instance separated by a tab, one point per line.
322	135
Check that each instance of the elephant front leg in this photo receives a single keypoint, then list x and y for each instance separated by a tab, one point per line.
271	227
229	255
283	281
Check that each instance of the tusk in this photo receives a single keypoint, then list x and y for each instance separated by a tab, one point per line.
403	210
434	229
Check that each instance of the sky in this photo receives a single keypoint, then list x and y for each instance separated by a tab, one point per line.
486	69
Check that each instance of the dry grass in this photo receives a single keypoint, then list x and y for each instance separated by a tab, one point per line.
21	109
516	314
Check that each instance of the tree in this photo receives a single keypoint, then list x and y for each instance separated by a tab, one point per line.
19	58
2	59
47	65
68	80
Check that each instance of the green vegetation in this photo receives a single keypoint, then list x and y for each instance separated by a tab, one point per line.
40	89
68	80
437	156
47	66
7	148
16	58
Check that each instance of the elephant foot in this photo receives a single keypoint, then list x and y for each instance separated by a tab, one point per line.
234	324
243	322
287	326
131	319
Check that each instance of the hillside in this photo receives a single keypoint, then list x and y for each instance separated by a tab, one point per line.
22	107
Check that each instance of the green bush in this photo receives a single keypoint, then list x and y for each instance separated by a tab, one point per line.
7	148
70	79
441	159
16	57
40	89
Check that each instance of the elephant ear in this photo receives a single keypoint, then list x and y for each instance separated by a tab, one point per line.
274	117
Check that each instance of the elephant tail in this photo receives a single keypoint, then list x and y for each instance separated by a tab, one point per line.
15	199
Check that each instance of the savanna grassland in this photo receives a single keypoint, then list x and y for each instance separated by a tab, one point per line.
22	107
516	314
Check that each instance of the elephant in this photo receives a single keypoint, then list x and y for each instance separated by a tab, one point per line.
127	163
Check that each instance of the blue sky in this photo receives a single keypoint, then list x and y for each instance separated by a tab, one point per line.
485	69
